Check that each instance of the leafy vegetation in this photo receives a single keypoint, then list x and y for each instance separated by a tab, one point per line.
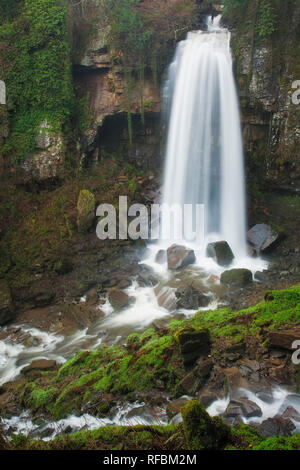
264	11
35	64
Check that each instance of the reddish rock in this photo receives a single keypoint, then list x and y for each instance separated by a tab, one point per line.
39	365
284	339
180	257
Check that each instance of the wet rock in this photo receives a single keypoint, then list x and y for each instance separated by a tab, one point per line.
221	253
277	426
290	412
250	408
265	395
191	383
174	407
161	257
284	339
236	278
235	380
147	277
39	365
119	299
263	238
193	344
203	369
261	276
6	305
191	298
166	297
207	398
233	410
124	283
180	257
92	297
85	211
292	400
31	342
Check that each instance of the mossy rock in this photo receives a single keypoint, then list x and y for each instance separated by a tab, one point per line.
193	343
237	278
201	431
86	206
220	252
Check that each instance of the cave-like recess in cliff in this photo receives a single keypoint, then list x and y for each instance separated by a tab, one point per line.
145	151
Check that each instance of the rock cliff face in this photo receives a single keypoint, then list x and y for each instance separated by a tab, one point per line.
265	72
105	85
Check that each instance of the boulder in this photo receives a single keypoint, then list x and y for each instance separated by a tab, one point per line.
180	257
174	407
283	339
191	298
166	297
201	431
6	306
236	278
261	276
235	380
39	365
193	344
248	408
277	426
207	398
290	412
85	211
119	299
161	257
263	238
220	252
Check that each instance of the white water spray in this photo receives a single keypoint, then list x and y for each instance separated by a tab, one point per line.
204	163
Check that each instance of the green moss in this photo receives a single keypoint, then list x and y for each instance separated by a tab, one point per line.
246	436
86	210
36	67
201	431
109	438
36	398
280	443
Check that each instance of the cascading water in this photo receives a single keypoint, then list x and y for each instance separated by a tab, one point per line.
204	158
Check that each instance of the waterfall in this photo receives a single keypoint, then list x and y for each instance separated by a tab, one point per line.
204	155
